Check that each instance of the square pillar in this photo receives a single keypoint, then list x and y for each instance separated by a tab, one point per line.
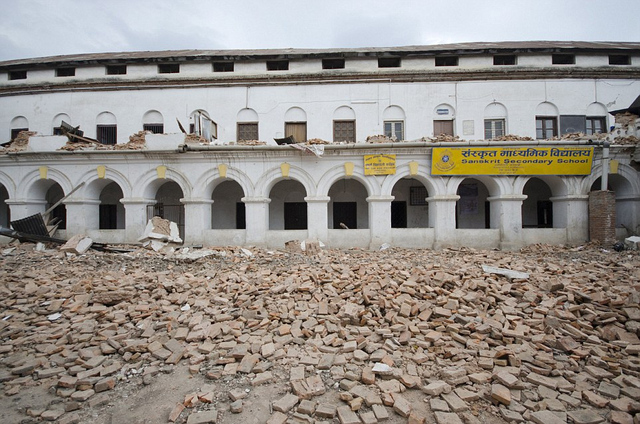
257	217
379	220
197	217
506	214
82	215
572	212
602	216
318	217
442	218
135	217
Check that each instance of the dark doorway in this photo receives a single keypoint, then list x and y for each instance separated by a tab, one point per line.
345	213
398	214
295	216
241	216
108	217
545	214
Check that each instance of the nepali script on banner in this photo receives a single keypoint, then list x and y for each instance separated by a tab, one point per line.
511	160
379	164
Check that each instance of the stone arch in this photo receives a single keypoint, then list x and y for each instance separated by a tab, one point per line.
625	186
344	113
247	115
207	183
444	111
5	214
337	172
57	121
152	117
227	209
393	113
149	183
274	175
8	184
288	208
94	184
537	208
295	114
472	208
19	122
547	109
33	186
348	206
106	118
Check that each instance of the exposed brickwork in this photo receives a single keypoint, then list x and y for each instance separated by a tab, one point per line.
602	216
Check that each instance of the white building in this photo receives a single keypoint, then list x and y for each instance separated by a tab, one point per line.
230	192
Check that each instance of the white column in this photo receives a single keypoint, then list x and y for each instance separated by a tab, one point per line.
197	217
22	208
506	214
572	212
442	218
135	210
257	218
379	220
317	217
82	215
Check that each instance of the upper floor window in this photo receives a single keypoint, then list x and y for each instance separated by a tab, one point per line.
546	127
107	134
394	129
154	128
65	72
116	69
504	59
16	131
446	60
222	66
344	131
168	68
596	125
248	131
17	75
493	128
297	130
277	65
619	59
563	59
389	62
332	63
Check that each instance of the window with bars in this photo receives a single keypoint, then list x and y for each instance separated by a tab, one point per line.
504	59
65	72
107	134
596	125
546	127
563	59
344	131
154	128
332	63
389	62
394	129
116	69
619	59
248	131
493	128
168	68
222	66
17	75
277	65
444	126
446	60
418	196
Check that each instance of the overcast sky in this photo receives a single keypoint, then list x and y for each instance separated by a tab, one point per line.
33	28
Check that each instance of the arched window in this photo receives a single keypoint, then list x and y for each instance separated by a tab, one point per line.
546	121
495	121
153	121
247	121
394	118
106	128
295	124
344	124
18	124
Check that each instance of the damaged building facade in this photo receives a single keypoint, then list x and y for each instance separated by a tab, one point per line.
383	136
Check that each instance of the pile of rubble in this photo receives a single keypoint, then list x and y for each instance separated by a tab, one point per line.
137	141
250	143
512	137
20	143
546	336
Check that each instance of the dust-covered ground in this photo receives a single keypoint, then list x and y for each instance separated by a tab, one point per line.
255	336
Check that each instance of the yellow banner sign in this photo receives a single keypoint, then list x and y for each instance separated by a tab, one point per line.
379	164
511	160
